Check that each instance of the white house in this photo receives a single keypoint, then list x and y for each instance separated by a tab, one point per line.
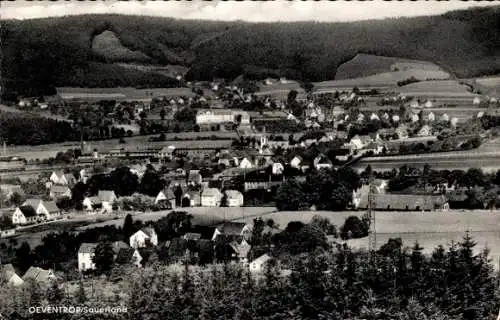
143	238
359	142
454	121
277	168
61	178
234	198
211	197
373	116
296	162
246	164
395	118
445	117
428	104
166	195
431	116
85	255
414	103
108	198
414	118
425	131
258	265
10	275
39	275
45	210
476	101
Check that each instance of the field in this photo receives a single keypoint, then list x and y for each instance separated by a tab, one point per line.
489	81
201	215
280	91
445	88
127	93
383	80
430	229
486	158
108	45
363	65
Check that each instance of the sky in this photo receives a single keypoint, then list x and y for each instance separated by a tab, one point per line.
252	11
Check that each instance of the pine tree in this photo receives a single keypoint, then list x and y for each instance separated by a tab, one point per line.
128	226
54	293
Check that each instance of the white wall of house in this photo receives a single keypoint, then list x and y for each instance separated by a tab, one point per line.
87	204
15	280
210	201
140	239
235	201
85	261
18	217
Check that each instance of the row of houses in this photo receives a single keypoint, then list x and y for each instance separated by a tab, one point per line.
233	236
12	276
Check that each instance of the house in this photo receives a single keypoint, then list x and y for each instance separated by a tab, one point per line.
232	229
445	117
359	142
9	190
373	116
211	197
277	168
414	118
191	198
166	196
322	162
108	198
402	132
234	198
425	131
39	275
405	202
125	254
190	236
24	215
430	117
46	210
242	249
258	265
414	104
246	164
476	101
374	147
61	178
428	104
9	274
296	162
395	118
92	203
454	121
60	191
85	256
143	238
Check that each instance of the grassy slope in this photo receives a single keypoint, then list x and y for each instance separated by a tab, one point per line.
46	51
363	65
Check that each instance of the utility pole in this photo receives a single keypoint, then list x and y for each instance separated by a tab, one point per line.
372	232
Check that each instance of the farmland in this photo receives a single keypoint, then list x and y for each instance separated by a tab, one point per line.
445	88
124	93
363	65
430	229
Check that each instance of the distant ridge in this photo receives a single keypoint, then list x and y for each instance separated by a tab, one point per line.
42	53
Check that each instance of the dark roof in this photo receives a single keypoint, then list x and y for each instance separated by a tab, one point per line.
231	228
403	202
28	211
205	232
87	247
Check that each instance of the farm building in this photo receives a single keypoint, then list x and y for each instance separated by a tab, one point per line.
234	198
219	116
39	275
166	196
235	229
211	197
405	202
59	192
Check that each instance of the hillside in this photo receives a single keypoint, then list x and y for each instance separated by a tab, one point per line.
363	65
83	50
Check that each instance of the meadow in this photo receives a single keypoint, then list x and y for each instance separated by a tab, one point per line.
363	65
444	88
124	92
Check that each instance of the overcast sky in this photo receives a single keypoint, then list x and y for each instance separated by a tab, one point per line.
255	11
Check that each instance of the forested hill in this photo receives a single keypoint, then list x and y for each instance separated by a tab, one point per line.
74	51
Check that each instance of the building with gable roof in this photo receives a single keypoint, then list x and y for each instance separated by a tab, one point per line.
211	197
144	238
